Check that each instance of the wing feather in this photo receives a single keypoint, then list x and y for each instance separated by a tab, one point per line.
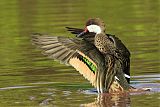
80	54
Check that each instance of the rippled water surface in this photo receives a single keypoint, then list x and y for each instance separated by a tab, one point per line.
28	78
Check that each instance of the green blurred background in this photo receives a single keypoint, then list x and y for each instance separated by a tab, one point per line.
28	78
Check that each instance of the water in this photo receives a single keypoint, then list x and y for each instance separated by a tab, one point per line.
28	78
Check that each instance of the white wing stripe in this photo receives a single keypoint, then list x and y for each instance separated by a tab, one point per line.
116	78
127	76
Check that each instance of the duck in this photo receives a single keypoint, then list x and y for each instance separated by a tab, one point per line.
100	57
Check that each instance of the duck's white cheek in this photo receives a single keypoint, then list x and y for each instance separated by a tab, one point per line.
94	28
98	30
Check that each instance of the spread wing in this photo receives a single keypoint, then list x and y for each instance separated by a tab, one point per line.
58	48
122	52
83	56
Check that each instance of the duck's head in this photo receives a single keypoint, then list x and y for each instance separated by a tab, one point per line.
94	25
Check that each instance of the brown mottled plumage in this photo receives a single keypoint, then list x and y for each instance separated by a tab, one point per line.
104	44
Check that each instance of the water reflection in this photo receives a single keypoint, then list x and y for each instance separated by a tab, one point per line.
111	100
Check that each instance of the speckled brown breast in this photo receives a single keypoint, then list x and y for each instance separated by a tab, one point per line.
104	44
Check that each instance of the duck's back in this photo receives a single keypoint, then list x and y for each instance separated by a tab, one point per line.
123	54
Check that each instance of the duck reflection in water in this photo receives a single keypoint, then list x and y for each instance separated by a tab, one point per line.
110	100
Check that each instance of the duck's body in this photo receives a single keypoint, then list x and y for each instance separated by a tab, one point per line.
111	41
101	58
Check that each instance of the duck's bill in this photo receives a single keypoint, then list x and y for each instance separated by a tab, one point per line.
82	33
